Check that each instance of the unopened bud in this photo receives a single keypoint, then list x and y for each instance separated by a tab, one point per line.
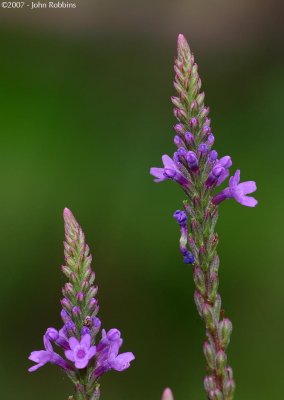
66	270
179	128
92	304
66	303
217	395
217	306
200	98
225	329
167	395
199	280
80	297
209	383
199	302
208	316
229	388
76	311
213	286
221	362
209	353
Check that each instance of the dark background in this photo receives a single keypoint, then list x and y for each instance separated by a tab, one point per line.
85	112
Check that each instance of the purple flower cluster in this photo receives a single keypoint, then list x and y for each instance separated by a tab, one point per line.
185	165
77	338
196	167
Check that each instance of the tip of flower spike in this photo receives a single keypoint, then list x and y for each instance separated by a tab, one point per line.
167	395
181	41
67	214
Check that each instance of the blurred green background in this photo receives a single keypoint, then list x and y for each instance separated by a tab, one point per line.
85	112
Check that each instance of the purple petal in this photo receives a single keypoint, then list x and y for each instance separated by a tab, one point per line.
35	367
70	355
234	180
41	356
224	175
247	201
168	162
247	187
158	173
73	342
81	363
91	352
122	362
86	340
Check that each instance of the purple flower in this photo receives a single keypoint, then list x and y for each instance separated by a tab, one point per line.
188	258
238	191
80	352
107	353
192	161
170	171
42	357
180	217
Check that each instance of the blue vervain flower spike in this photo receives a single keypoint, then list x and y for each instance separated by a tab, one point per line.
84	358
198	170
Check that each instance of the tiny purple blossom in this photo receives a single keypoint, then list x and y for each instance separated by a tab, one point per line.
238	191
170	171
107	353
80	352
180	217
42	357
179	128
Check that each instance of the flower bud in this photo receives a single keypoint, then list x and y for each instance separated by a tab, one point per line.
210	140
193	122
217	306
221	362
176	101
209	383
199	301
203	148
210	355
76	311
92	304
199	280
213	286
206	129
80	297
179	128
225	329
194	106
66	270
68	289
189	138
200	98
229	388
213	155
192	161
167	395
208	316
65	316
217	395
66	303
204	112
229	372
